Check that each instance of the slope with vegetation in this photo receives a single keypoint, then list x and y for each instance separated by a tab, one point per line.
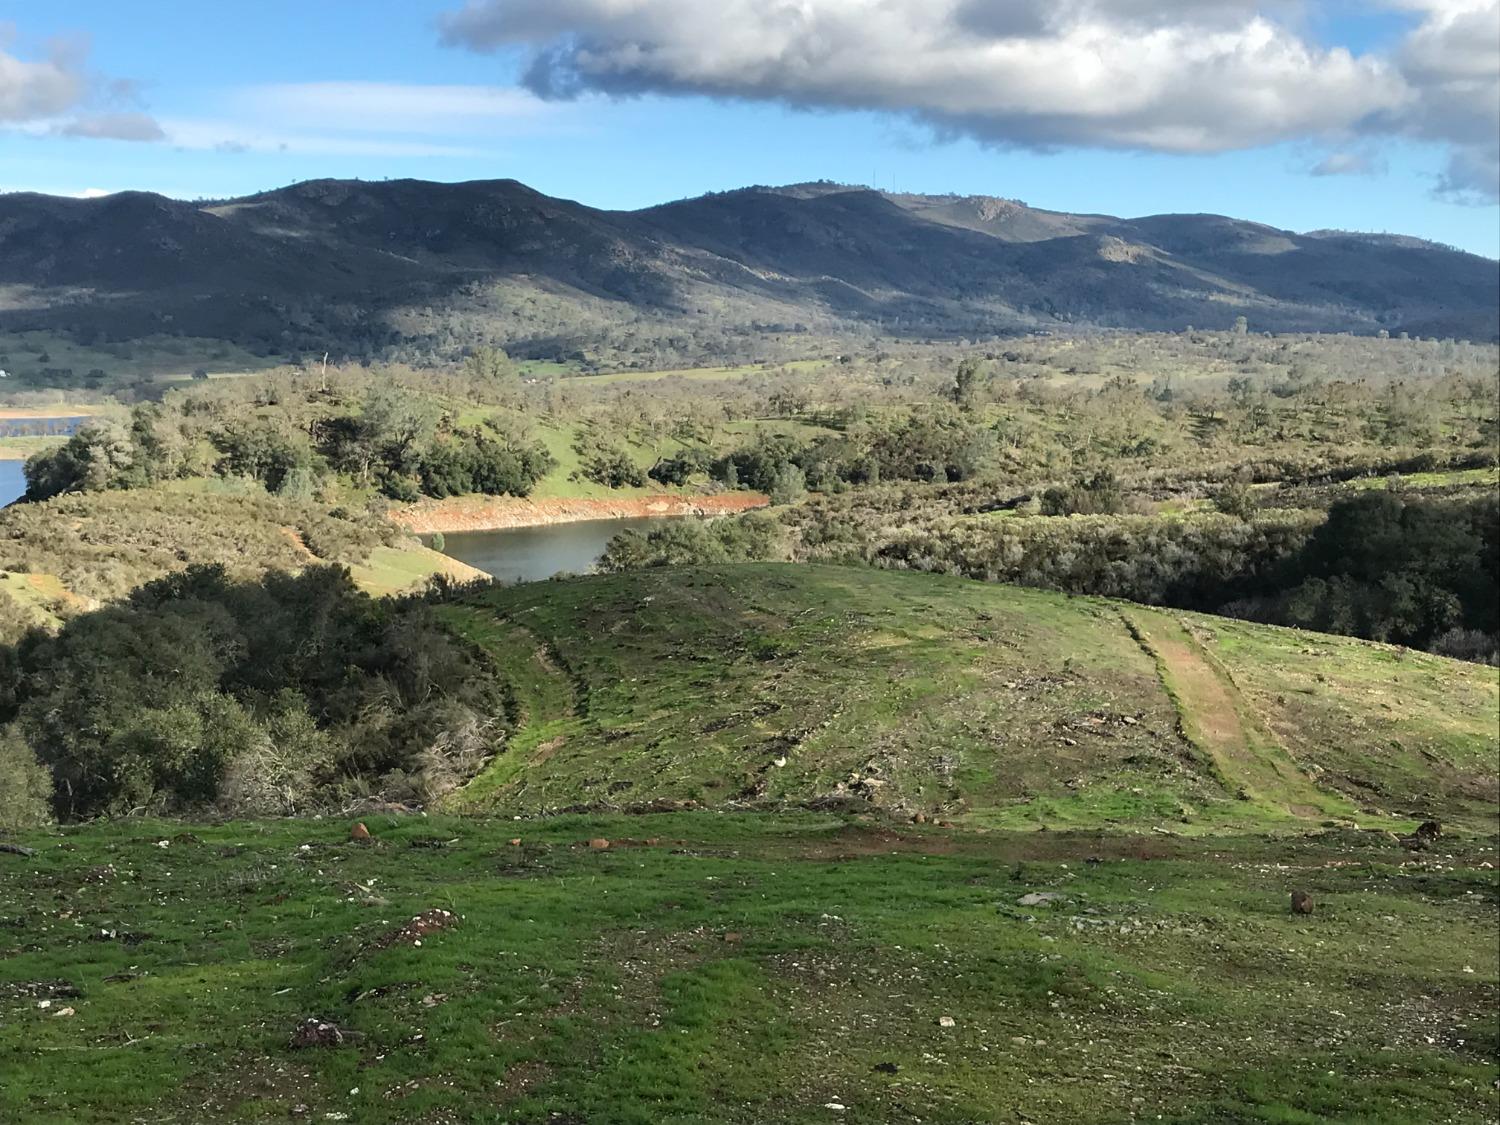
416	271
765	686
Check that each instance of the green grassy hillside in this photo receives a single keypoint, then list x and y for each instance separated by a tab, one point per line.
640	962
767	685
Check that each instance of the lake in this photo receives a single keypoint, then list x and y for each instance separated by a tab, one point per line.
532	554
12	481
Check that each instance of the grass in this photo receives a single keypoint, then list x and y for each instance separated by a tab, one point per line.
770	935
765	686
99	546
742	969
159	358
21	448
706	374
404	568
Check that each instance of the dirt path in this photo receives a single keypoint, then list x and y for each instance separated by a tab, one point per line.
1217	719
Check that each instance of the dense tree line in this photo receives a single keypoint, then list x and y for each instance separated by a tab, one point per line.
1411	571
401	443
285	695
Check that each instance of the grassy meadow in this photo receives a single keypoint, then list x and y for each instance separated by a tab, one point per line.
737	968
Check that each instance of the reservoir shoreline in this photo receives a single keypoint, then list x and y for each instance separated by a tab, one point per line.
489	513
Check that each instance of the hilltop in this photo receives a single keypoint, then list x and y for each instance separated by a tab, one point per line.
411	269
766	686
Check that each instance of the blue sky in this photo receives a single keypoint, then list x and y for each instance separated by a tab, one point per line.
241	97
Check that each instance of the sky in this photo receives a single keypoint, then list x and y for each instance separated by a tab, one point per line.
1304	114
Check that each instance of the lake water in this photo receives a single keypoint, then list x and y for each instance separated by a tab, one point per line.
532	554
12	481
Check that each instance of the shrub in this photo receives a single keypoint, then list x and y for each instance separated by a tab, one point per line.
25	786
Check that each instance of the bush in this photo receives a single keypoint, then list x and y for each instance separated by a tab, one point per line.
25	786
1098	495
694	542
613	468
255	697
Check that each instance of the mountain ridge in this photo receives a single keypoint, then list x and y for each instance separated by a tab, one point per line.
369	265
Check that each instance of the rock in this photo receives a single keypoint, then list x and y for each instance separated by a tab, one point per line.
1039	898
599	843
359	832
1302	902
63	1012
919	818
947	1021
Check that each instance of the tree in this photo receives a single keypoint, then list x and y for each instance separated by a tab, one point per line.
99	456
490	364
965	383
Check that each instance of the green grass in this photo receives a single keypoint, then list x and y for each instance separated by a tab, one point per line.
404	568
767	686
742	969
1454	477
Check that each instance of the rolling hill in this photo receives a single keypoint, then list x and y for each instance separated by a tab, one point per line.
765	686
365	267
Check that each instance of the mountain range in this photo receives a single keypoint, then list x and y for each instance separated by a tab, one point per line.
372	268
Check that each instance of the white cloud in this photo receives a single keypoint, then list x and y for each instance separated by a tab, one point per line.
1349	163
33	90
1190	76
113	127
1452	63
59	94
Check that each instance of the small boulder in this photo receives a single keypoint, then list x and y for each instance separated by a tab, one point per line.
947	1021
359	832
1039	898
1302	902
599	844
